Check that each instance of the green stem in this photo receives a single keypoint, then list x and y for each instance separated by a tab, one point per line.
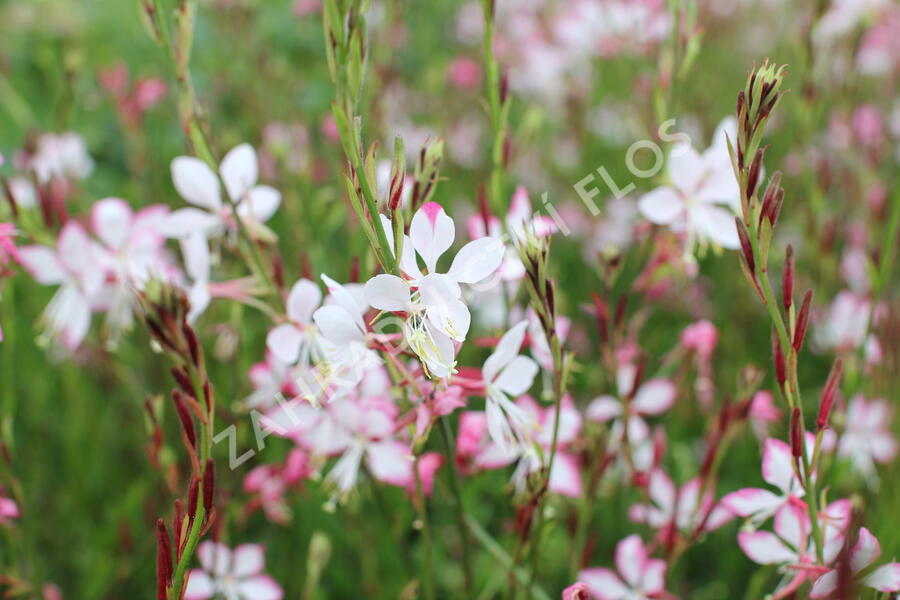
427	551
447	439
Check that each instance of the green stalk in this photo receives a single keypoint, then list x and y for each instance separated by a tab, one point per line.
447	439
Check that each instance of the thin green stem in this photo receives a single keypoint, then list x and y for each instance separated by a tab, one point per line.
447	440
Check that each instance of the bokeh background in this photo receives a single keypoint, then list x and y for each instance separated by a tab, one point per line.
75	425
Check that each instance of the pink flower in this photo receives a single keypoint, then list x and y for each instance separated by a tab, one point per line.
197	183
8	252
843	328
700	337
867	438
75	265
681	508
576	591
653	397
885	578
464	72
236	575
763	413
777	470
638	576
8	509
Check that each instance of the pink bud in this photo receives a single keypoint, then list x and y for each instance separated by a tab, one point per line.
796	433
576	591
829	393
700	337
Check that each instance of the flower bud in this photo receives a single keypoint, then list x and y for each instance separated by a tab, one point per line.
787	278
209	485
780	365
193	496
184	415
802	320
746	247
796	433
163	559
829	393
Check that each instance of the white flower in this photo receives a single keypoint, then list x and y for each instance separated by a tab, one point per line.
199	185
506	376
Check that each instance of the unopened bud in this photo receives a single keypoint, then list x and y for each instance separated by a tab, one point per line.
193	496
746	247
787	278
796	433
802	320
184	415
209	485
780	364
829	394
163	559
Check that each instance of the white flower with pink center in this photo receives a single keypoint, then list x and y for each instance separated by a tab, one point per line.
639	576
232	574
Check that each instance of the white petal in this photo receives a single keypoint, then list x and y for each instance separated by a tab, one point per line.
74	248
603	584
387	292
111	221
260	204
792	525
42	264
603	408
662	491
304	298
718	225
477	260
654	576
517	376
199	586
776	464
824	585
188	221
866	550
654	397
661	206
436	289
630	559
247	560
196	182
214	557
284	342
240	170
431	232
195	251
507	349
885	578
764	548
752	501
452	318
261	587
686	168
390	461
337	326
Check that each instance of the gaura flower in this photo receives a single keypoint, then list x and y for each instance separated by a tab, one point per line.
297	341
866	551
435	315
74	265
197	183
867	438
678	508
653	397
760	504
234	575
703	195
639	577
506	375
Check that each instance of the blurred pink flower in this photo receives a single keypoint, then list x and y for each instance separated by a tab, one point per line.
464	72
236	575
638	575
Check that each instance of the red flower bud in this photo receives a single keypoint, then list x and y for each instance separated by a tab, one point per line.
796	433
780	364
193	495
602	319
163	559
209	485
746	247
829	393
184	415
802	320
787	278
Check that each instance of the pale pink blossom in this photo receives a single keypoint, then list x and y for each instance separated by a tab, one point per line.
638	577
60	155
233	574
866	551
576	591
297	341
652	397
867	438
679	508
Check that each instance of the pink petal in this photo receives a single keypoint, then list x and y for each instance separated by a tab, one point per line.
565	478
866	550
764	548
654	578
776	464
603	408
603	584
74	248
662	491
654	397
824	585
631	558
792	525
248	559
751	501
